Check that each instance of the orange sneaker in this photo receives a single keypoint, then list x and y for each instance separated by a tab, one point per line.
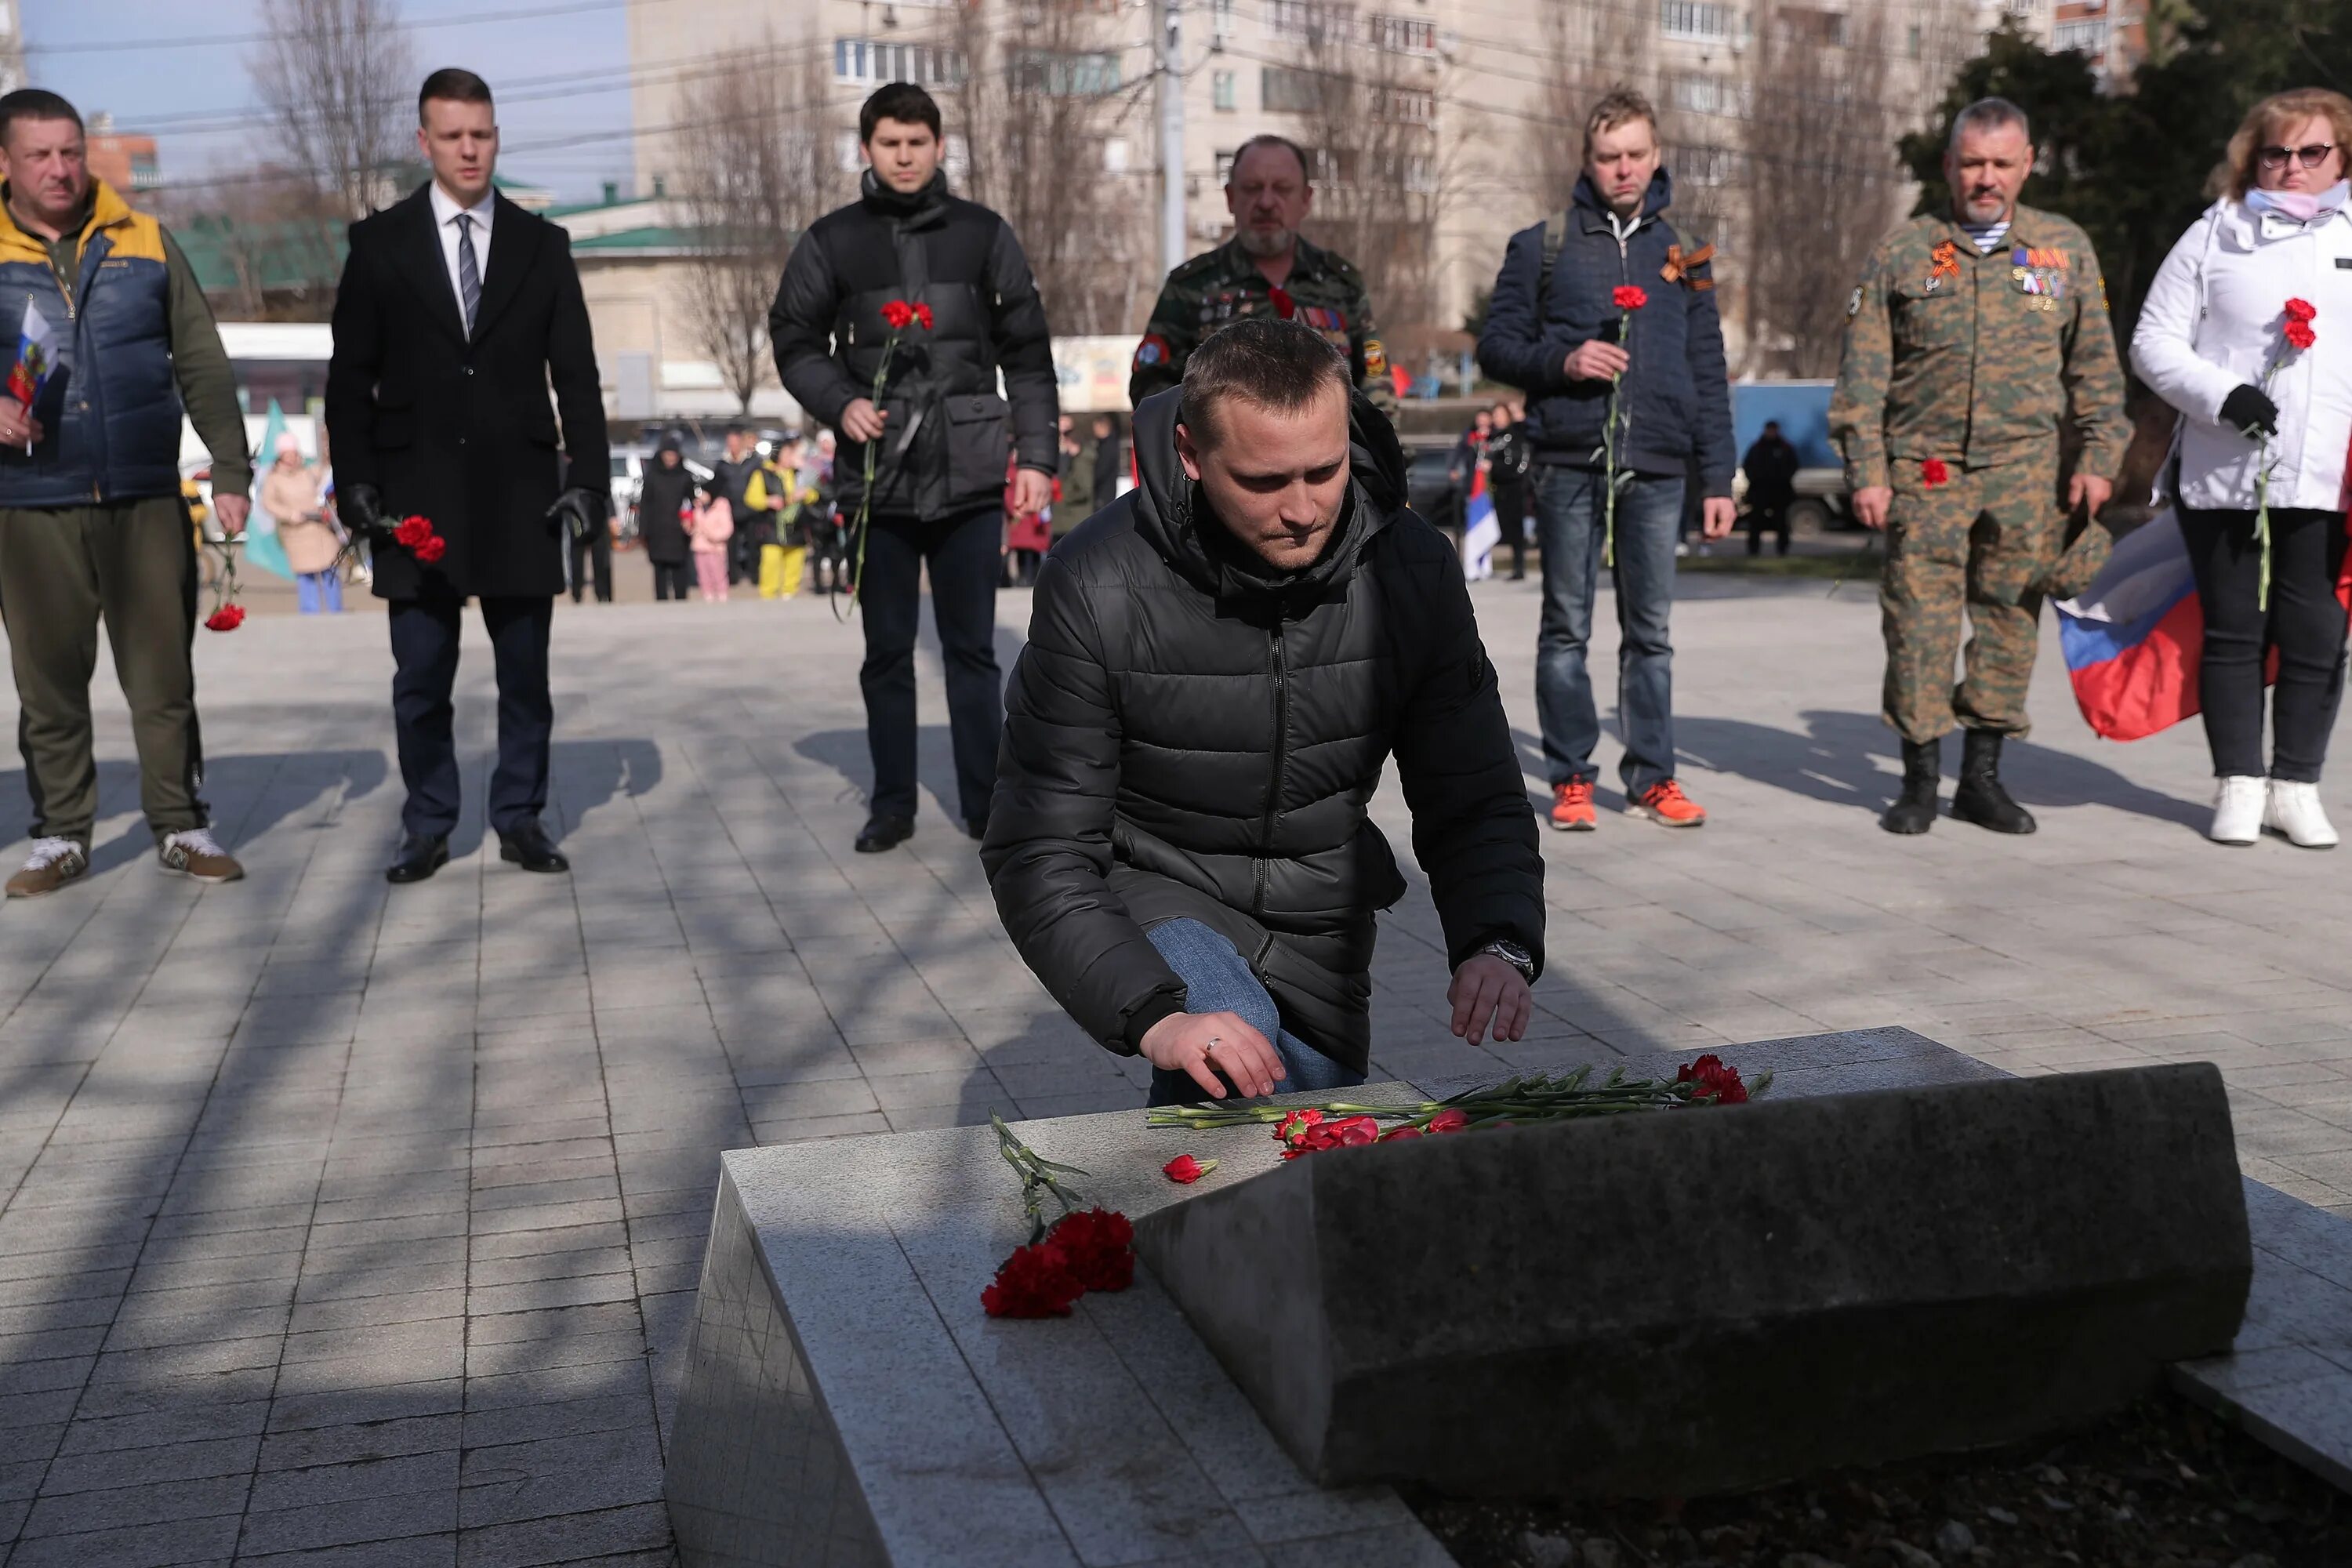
1571	807
1666	804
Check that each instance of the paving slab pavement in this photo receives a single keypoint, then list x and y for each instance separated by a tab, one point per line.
341	1222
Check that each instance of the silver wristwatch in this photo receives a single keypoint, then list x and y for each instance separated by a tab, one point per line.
1518	957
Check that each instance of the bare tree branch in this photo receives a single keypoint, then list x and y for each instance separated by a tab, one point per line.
338	81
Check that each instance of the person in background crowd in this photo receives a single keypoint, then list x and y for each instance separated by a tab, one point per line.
820	523
1770	466
734	472
937	505
772	503
714	534
92	527
1192	884
1027	534
1552	328
290	494
1977	359
457	316
664	502
1508	459
1110	460
1469	449
1074	501
2213	327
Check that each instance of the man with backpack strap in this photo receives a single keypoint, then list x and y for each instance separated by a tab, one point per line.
1552	328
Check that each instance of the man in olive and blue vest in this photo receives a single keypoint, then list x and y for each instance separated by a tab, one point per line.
92	525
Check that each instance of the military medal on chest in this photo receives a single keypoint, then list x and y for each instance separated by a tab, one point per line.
2039	274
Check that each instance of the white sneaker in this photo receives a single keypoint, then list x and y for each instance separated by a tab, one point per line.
2295	811
2238	801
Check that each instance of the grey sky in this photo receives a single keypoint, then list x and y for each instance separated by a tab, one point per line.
570	71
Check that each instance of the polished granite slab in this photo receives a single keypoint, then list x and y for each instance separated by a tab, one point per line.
845	1402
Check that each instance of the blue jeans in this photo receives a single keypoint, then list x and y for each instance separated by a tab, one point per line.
315	591
1217	980
1569	527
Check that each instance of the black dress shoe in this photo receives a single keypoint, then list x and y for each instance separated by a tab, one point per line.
882	833
421	855
530	848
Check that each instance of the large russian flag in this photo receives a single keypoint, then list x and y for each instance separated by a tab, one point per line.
2133	639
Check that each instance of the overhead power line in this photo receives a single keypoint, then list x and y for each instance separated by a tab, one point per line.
239	40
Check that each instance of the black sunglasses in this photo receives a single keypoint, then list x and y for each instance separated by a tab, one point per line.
2313	156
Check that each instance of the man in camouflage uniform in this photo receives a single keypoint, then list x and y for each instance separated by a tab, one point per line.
1265	268
1975	346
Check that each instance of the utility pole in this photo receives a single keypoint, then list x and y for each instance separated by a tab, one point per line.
1173	243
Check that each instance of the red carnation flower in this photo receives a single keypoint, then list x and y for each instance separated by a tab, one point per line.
1184	1170
1034	1282
897	313
2300	335
1398	1134
228	618
1099	1247
2301	310
1450	1121
1934	472
412	532
1718	1083
1283	305
432	549
923	315
1296	1124
1629	297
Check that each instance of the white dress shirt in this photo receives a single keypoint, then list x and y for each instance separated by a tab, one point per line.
444	221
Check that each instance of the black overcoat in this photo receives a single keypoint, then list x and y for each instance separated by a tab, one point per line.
460	430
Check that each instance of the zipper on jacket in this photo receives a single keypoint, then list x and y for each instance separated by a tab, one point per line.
1281	671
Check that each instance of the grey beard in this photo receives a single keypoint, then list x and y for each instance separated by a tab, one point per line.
1275	244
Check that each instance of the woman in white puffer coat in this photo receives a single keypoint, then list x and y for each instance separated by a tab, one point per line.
2212	341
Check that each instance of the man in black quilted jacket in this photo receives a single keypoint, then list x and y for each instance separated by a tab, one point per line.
1220	664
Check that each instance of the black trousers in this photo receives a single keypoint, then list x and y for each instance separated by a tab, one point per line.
672	579
596	548
1511	517
2305	625
424	654
1768	517
962	552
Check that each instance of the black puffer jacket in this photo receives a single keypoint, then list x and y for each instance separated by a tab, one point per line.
944	449
1190	733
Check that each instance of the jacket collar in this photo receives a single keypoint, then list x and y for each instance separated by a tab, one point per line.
1169	517
1596	213
107	210
914	210
428	273
2246	229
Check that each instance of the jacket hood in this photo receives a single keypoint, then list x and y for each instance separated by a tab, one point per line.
1167	511
1655	200
668	444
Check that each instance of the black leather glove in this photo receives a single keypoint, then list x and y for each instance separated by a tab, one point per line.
581	511
2250	410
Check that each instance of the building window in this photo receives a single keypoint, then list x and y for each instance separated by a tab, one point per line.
1705	166
1309	20
1115	155
1404	35
1221	90
1059	75
1404	105
1702	19
1703	95
2090	37
1913	41
1282	90
1221	18
869	62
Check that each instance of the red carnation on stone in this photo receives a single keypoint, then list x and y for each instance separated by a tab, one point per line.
1718	1083
1034	1282
228	618
897	313
1283	305
1398	1134
923	315
1296	1125
2301	310
1450	1121
1629	296
1932	472
432	549
2300	335
412	532
1099	1245
1184	1170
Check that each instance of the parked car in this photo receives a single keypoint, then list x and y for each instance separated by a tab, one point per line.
1431	488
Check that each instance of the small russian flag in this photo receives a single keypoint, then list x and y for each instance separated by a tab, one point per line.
1480	532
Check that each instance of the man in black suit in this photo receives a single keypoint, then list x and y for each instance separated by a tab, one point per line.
457	310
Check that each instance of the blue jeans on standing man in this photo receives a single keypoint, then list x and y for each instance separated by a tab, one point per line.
1569	531
1218	980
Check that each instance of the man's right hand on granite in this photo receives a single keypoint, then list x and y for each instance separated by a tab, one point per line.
1206	1044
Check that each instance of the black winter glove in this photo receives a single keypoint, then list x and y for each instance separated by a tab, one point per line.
2250	410
581	511
361	510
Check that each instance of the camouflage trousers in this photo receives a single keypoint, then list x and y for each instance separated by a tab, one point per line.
1985	539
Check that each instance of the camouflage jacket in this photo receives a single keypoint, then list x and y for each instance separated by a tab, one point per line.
1979	360
1225	285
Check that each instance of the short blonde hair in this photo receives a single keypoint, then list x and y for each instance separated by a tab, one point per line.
2270	118
1620	106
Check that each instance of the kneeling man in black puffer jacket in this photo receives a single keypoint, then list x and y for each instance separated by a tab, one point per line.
1220	664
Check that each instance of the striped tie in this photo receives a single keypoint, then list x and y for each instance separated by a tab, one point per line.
470	270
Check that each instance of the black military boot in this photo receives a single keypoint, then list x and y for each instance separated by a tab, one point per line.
1914	810
1980	799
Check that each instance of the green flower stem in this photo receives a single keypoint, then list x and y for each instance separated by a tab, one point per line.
1564	1097
1038	1178
1608	453
866	498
